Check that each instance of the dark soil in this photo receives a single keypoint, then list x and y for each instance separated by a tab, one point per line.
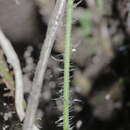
104	104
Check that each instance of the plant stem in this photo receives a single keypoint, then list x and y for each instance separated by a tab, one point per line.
67	52
53	27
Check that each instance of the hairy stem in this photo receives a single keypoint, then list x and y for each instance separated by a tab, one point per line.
67	64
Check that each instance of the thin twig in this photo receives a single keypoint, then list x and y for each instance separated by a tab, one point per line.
13	60
53	26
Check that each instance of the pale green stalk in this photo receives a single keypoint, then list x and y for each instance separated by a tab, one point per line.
67	52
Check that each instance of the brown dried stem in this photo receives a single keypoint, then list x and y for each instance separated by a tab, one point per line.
53	26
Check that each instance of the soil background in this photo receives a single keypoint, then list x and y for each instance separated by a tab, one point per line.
100	80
